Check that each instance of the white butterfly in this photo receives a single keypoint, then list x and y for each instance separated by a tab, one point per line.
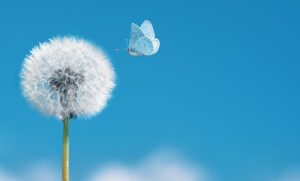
142	40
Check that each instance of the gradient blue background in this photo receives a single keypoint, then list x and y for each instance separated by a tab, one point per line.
223	88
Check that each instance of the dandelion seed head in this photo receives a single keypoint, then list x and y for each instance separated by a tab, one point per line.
67	77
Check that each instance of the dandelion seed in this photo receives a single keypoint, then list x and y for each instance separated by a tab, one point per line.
66	78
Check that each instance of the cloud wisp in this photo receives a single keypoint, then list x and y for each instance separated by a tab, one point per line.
42	171
157	167
291	175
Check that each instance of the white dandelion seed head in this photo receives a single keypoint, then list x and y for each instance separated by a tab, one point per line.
67	77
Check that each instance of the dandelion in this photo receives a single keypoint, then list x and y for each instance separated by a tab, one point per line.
66	78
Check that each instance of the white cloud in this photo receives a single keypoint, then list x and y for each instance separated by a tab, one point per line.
164	166
159	166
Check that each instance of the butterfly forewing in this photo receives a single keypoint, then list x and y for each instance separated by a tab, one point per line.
147	29
135	34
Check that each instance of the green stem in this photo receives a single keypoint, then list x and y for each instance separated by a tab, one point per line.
65	156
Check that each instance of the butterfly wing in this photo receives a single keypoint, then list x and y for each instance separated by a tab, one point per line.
156	45
147	29
135	34
143	46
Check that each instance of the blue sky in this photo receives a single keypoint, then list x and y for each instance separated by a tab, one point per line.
223	90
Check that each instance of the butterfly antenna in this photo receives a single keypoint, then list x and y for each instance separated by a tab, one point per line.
120	49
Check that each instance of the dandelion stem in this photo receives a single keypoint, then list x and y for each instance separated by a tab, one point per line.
65	156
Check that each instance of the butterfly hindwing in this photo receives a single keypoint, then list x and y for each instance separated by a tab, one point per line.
156	45
135	34
143	46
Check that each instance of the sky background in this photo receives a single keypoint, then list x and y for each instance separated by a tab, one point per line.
223	90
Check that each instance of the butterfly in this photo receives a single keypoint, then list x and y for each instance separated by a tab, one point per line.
142	40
